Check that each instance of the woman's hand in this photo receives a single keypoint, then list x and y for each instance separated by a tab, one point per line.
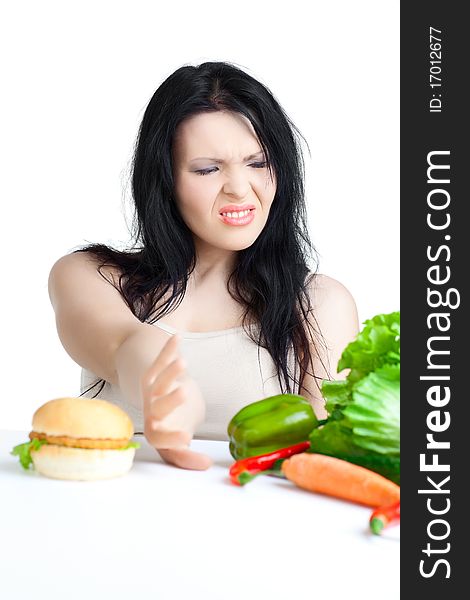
173	408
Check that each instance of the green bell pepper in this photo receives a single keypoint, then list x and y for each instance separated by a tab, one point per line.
269	424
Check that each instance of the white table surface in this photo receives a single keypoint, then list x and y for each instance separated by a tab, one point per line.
168	534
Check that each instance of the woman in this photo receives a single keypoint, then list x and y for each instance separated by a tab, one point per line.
215	306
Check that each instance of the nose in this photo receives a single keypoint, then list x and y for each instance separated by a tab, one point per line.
237	185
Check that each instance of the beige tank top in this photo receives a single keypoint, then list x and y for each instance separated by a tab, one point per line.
225	365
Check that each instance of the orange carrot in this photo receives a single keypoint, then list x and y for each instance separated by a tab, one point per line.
340	478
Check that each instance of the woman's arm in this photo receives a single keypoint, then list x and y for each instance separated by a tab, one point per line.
91	316
337	321
100	333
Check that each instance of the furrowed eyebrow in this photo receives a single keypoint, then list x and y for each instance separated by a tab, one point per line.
218	160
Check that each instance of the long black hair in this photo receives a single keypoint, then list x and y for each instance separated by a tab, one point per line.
271	278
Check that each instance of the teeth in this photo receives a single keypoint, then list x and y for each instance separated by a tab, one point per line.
236	215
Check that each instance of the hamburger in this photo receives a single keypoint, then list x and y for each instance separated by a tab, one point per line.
79	438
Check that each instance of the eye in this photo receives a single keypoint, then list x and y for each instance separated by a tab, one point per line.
205	171
257	165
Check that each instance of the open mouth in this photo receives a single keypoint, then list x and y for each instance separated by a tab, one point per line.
238	217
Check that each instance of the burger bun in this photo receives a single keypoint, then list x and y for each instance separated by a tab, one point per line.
82	464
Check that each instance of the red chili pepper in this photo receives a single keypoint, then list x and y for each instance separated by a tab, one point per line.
384	516
244	470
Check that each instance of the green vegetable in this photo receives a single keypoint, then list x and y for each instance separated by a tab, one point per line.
267	425
376	345
363	424
23	451
130	445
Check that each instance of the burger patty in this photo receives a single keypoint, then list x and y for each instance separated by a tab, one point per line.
80	442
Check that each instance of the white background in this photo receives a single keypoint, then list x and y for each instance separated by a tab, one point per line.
75	85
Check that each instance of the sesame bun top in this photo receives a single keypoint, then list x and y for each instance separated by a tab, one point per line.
82	418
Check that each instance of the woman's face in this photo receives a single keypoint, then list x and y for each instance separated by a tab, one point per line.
219	167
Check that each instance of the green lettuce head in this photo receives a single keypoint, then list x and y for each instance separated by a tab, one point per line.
363	424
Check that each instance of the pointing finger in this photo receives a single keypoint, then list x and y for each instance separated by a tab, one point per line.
166	377
161	406
164	357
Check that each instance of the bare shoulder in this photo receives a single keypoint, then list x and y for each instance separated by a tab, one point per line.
81	264
335	313
327	293
77	272
79	261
